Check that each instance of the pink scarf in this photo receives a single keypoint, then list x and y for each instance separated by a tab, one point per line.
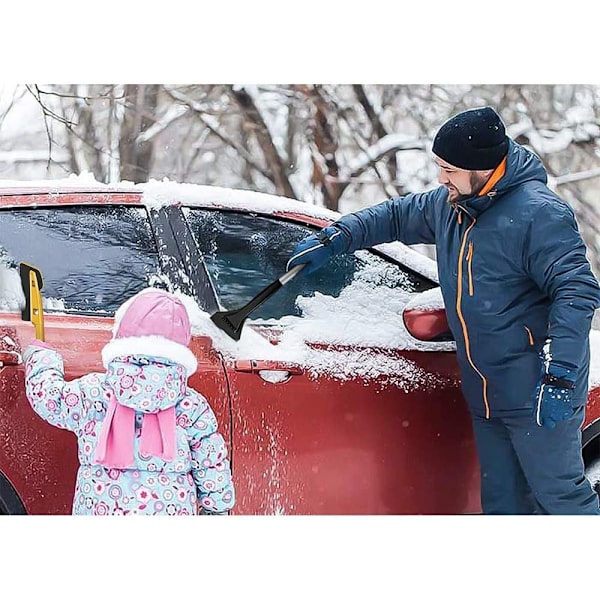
115	444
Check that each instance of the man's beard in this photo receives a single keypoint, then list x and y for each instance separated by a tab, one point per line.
477	184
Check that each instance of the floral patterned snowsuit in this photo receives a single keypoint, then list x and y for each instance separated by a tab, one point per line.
197	480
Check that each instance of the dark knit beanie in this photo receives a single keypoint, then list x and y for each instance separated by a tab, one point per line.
474	140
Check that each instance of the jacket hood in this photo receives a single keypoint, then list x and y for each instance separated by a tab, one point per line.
145	383
522	165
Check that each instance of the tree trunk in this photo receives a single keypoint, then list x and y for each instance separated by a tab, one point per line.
136	157
325	167
257	125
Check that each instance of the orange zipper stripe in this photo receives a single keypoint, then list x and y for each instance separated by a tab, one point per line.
462	319
531	340
470	267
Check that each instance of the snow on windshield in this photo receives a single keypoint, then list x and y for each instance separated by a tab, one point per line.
11	292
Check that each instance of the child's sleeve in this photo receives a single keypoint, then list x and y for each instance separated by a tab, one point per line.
58	402
210	466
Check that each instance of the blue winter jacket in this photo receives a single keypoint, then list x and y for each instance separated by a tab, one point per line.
512	271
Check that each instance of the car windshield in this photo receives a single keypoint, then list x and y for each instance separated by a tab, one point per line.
244	253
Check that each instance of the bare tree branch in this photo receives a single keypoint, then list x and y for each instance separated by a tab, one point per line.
213	125
35	93
378	129
76	96
392	143
574	177
11	104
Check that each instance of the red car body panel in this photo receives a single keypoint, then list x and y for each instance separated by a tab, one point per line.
357	450
68	198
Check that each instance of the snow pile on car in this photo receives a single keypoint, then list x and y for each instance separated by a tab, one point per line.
11	292
344	337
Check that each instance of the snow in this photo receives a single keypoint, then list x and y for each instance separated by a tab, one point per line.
73	181
553	182
11	293
15	156
594	379
544	141
159	193
274	376
388	143
174	112
342	337
429	300
411	258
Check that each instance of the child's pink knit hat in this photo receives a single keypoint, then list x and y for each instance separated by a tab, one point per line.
153	322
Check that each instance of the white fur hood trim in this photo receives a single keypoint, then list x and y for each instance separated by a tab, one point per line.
150	345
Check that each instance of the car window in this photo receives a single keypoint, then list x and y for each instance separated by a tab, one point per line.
92	258
244	253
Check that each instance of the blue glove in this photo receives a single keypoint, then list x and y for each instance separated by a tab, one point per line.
553	395
316	249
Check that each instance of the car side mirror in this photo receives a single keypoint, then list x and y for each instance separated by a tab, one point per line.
425	317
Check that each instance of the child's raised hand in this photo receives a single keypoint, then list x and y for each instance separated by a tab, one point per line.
34	347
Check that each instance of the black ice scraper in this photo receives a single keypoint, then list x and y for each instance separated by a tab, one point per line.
32	284
231	321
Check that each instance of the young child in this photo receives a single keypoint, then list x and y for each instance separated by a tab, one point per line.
148	444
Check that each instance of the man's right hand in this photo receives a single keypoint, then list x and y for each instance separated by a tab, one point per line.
316	249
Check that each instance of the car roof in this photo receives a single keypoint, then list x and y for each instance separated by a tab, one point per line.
155	194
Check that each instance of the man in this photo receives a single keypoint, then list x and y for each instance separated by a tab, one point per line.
520	297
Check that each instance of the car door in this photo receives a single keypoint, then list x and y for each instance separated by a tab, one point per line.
92	259
333	415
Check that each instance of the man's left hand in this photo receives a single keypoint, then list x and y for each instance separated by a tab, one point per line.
554	395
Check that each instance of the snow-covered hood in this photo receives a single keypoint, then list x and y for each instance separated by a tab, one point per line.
145	383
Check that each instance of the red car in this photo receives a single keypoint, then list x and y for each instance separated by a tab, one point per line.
328	404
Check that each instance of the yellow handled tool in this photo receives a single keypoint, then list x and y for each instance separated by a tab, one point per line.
32	284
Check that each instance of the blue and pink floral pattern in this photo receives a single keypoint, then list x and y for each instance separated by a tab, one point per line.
197	480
